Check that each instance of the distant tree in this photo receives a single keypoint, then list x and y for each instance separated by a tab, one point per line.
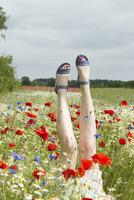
130	84
25	80
7	74
97	83
73	83
50	82
3	20
39	82
34	83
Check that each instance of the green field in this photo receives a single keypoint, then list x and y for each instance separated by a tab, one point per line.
18	182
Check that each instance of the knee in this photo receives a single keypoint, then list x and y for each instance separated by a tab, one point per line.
86	146
71	145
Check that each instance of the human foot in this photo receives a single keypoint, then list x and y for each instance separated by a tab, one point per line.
62	77
83	68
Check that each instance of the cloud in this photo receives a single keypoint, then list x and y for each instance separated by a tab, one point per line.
43	33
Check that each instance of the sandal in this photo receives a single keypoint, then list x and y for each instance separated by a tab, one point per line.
82	61
61	70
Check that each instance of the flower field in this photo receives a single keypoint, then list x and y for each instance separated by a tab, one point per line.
30	148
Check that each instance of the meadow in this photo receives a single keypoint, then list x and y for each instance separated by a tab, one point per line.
29	167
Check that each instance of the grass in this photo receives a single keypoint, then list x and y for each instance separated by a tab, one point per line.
118	178
113	95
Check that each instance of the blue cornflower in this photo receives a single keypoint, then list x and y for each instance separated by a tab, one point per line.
52	156
97	135
130	127
20	108
16	156
18	102
12	171
37	159
43	183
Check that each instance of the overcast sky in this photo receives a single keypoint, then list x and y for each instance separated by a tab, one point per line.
42	34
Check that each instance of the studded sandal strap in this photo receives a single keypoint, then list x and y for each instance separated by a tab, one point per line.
57	87
63	71
84	82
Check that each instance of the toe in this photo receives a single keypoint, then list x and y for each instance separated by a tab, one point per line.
64	69
82	60
65	66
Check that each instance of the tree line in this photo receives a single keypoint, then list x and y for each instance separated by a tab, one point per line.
7	71
7	74
97	83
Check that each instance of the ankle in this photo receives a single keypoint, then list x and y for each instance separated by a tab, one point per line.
85	88
62	92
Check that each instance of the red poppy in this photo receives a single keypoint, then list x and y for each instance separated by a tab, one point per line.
110	121
78	113
56	154
73	118
102	143
123	103
31	121
69	173
37	173
101	159
109	112
31	115
98	125
77	125
48	104
129	136
84	198
75	106
116	119
52	116
4	130
51	147
36	109
122	141
28	104
42	132
14	167
80	171
3	165
19	132
11	145
86	164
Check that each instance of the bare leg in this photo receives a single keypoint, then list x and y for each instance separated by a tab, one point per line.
64	126
87	125
87	142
